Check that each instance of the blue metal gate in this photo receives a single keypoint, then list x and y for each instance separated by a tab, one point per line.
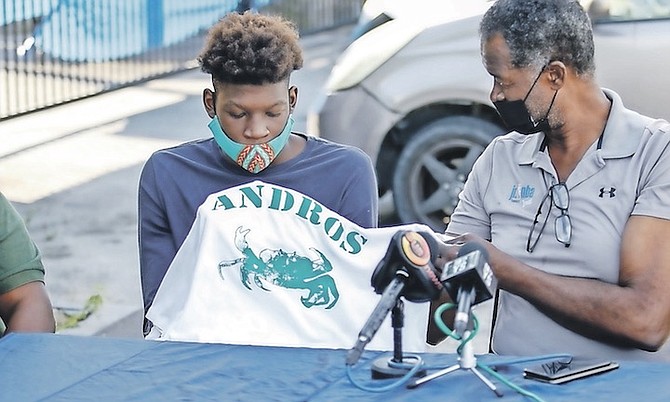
55	51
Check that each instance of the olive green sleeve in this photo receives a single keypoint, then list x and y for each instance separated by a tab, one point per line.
20	259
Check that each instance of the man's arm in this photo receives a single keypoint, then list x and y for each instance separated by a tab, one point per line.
634	313
360	201
27	308
155	244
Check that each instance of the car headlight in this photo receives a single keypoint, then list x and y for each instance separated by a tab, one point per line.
370	51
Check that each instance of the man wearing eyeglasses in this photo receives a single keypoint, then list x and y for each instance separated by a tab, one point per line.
574	203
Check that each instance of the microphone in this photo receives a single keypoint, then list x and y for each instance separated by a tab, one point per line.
469	280
405	270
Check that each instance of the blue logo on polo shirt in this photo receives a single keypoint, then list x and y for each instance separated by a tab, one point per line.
521	193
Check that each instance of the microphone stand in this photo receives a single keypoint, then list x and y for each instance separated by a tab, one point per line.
397	366
466	361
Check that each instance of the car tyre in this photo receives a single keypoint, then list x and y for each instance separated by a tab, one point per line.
433	166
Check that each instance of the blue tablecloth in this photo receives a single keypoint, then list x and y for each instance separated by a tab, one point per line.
73	368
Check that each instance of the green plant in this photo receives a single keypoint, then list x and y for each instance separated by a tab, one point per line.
69	318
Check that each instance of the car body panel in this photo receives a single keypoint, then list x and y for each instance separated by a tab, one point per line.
420	74
439	73
641	77
338	117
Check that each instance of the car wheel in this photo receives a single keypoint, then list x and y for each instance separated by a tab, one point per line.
433	166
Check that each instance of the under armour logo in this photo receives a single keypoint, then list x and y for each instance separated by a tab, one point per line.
609	191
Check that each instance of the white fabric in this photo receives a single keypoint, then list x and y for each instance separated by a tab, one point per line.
197	301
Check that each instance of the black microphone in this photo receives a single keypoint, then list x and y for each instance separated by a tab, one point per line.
469	280
405	270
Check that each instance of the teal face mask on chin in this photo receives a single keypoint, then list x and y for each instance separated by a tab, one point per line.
252	158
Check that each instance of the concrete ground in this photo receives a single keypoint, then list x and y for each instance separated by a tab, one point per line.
72	172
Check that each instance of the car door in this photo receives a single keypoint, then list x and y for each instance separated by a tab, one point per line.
632	47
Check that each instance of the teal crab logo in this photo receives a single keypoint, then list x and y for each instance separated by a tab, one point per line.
287	270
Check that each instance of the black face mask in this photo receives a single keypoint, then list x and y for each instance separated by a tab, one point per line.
516	117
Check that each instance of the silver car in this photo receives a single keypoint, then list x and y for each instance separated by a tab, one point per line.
413	94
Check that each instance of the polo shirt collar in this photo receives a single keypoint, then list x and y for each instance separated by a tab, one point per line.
619	140
530	148
622	134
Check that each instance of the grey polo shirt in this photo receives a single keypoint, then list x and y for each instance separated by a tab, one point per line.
626	172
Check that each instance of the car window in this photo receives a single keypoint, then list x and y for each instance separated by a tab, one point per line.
602	11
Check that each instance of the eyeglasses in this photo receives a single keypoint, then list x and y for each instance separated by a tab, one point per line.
560	197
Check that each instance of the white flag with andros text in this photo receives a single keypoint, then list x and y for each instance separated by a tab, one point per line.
266	265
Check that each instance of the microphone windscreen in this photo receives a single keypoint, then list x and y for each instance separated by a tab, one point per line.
470	270
423	283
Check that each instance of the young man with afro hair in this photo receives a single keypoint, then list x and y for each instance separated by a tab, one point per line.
250	58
